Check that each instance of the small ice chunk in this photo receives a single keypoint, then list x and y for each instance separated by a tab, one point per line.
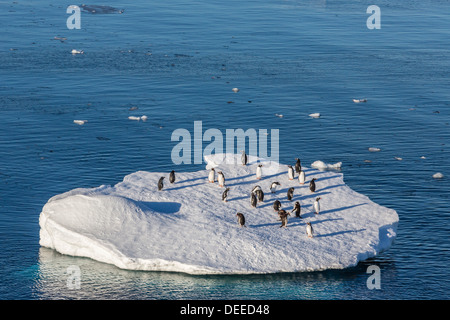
359	100
279	115
235	90
315	115
438	175
134	118
75	51
144	118
80	122
398	158
373	149
422	157
322	165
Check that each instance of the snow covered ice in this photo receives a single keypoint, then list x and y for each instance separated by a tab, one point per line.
187	227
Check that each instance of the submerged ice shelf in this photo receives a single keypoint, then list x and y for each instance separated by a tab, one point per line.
187	227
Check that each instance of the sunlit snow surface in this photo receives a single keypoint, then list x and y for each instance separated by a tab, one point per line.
187	227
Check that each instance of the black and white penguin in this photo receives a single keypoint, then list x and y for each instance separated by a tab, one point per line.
317	205
297	209
225	195
256	188
283	218
253	200
172	176
298	166
277	205
312	185
309	230
301	177
212	175
273	186
160	183
260	195
290	193
290	172
241	219
244	158
259	171
221	179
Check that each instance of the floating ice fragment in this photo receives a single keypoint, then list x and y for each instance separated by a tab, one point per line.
359	100
74	51
144	118
322	165
134	118
235	90
80	122
398	158
315	115
372	149
438	175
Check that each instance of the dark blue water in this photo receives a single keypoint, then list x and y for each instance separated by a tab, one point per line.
177	63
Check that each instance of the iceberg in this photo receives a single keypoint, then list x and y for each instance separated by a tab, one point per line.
186	227
324	166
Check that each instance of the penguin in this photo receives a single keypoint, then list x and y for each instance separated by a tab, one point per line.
253	200
297	209
312	185
276	205
211	176
298	166
241	219
172	176
259	171
301	177
221	179
309	230
160	183
260	195
256	188
273	186
317	205
290	193
225	195
283	218
244	158
290	172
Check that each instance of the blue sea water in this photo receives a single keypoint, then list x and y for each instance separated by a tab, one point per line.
176	62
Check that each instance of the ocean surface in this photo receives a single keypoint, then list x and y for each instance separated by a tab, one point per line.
176	62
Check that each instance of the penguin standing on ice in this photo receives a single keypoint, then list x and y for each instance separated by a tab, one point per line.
290	172
244	158
283	218
273	186
172	176
309	230
221	179
259	171
301	177
225	195
241	219
298	166
256	188
297	209
317	205
260	195
253	200
212	175
312	185
290	193
160	183
277	205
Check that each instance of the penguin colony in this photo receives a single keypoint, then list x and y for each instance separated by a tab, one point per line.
257	194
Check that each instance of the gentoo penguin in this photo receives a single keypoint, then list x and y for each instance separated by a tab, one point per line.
317	205
309	230
160	183
241	219
244	158
221	179
290	193
256	188
273	186
297	209
260	195
172	176
312	185
283	218
225	195
253	200
211	176
301	177
276	205
298	166
290	172
259	171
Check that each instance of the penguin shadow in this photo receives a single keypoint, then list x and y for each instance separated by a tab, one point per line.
341	208
183	187
162	207
190	180
313	195
326	178
243	177
337	233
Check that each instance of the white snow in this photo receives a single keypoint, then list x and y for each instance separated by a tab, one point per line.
324	166
186	227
